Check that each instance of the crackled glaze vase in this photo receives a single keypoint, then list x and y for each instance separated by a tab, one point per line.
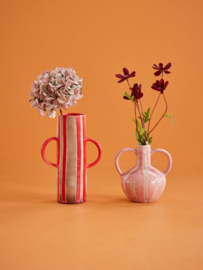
71	158
143	183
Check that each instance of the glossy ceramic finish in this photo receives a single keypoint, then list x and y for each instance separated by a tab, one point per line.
143	183
71	158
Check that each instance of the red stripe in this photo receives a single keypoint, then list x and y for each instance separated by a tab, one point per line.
58	153
84	157
64	160
78	158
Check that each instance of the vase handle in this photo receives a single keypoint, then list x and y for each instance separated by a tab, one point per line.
99	152
43	151
168	158
118	155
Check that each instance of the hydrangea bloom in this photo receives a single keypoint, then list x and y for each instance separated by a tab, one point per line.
53	90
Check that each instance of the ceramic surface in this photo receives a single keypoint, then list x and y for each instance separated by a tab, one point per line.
143	183
71	158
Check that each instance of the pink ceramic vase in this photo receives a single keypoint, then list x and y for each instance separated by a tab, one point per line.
143	183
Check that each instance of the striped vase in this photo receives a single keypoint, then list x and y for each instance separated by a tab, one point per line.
71	158
143	183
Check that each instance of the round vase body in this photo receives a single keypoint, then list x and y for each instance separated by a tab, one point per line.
143	183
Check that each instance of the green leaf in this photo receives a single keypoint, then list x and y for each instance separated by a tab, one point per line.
169	116
137	136
142	137
148	112
146	115
128	96
139	125
150	140
133	120
145	134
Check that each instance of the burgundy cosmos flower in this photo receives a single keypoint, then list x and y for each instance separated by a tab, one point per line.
160	85
161	69
136	91
126	75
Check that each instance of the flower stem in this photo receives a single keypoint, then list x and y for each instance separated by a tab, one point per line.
136	123
128	83
142	122
153	111
61	112
141	106
136	103
162	115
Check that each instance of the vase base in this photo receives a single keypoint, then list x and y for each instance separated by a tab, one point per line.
71	202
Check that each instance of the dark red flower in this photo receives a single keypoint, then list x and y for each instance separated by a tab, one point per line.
160	85
161	69
136	92
126	75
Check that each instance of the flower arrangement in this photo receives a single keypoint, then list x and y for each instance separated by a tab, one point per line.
143	132
54	90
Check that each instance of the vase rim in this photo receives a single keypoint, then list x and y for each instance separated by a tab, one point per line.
138	145
72	114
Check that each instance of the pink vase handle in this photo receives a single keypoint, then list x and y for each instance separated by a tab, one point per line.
43	151
118	155
99	152
168	158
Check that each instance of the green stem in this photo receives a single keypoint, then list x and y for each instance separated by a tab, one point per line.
141	119
136	123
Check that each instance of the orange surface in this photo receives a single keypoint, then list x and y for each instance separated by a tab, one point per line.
106	232
99	38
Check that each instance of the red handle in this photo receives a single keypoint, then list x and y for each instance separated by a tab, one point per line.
43	151
99	154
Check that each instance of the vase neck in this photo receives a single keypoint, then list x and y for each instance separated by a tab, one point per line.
143	155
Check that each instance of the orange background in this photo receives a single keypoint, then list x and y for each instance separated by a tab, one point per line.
99	38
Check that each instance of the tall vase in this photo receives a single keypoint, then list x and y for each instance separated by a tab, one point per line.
143	183
71	158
